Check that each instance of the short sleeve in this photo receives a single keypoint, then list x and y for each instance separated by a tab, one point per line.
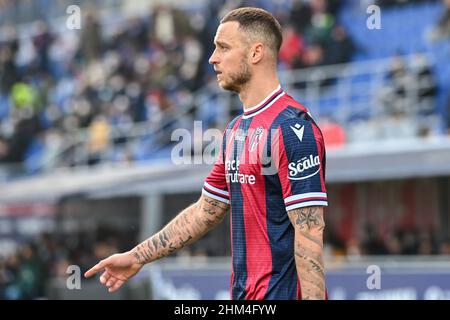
215	185
301	164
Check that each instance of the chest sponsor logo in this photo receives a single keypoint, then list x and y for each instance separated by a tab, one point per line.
233	175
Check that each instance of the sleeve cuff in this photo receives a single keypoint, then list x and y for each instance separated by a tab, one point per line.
216	193
306	200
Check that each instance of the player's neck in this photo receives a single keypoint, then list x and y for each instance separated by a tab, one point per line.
255	92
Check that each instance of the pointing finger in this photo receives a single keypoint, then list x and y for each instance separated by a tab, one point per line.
98	267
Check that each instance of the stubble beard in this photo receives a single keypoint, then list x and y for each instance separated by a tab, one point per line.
239	78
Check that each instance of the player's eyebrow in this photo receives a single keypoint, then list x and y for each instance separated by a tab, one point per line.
221	43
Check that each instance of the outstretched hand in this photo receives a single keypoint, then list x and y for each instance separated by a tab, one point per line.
118	269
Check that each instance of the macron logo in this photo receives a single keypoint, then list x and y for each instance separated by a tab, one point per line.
298	130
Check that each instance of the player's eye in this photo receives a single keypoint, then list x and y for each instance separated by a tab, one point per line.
223	47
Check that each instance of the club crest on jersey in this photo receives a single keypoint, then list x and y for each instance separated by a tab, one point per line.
304	168
254	140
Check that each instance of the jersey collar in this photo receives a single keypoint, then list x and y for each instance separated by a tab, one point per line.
266	103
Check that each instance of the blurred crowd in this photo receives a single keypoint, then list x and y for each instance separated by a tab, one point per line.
53	85
106	77
25	274
141	70
400	241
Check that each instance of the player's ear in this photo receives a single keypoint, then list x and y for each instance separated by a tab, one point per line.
257	52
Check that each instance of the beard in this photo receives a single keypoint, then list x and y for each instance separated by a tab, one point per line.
238	79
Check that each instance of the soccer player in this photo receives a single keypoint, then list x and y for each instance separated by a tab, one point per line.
270	172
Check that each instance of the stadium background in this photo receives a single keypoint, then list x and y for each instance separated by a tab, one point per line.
86	118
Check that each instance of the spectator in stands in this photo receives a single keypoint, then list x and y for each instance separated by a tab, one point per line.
99	139
409	242
444	247
322	21
169	24
408	98
335	244
394	94
442	29
313	56
333	133
8	51
426	245
353	247
12	289
300	16
292	48
447	121
373	243
393	244
423	84
91	38
3	279
26	125
42	42
30	273
340	48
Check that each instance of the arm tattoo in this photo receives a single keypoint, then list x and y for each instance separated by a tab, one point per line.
309	225
214	210
163	238
184	242
306	217
172	248
138	258
155	243
180	232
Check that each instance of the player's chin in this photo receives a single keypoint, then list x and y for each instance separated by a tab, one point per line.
221	83
228	86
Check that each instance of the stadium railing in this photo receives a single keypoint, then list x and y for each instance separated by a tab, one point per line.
344	93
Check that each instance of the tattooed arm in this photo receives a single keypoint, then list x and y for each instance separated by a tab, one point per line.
187	227
309	224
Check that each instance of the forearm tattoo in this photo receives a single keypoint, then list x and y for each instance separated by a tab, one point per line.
309	225
187	227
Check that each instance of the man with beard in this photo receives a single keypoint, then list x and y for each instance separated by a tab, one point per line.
270	172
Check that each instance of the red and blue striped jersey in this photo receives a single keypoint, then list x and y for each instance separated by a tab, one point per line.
272	160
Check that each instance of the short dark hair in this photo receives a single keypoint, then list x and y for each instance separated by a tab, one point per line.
259	23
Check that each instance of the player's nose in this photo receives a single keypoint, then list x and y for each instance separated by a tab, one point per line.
213	59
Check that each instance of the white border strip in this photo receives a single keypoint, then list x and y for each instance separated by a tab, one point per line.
225	193
215	197
265	100
307	204
305	196
265	108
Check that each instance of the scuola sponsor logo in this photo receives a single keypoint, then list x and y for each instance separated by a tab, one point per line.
304	168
